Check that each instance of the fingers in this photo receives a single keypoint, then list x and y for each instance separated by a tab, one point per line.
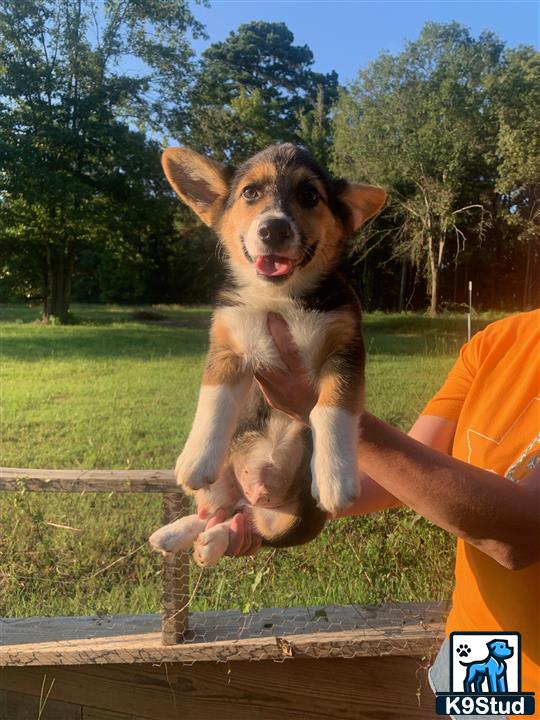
281	335
218	517
242	539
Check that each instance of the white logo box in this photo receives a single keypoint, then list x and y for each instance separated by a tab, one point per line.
476	643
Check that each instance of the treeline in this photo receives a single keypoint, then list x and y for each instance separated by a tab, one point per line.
90	94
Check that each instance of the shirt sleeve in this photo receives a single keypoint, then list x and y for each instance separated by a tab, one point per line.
448	401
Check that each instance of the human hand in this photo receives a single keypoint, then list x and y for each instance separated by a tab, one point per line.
287	390
243	540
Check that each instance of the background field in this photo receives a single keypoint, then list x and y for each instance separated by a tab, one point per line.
117	391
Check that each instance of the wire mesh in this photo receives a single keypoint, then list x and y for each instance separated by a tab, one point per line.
79	583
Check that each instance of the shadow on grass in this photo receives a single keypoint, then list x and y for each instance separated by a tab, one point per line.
80	314
34	344
112	332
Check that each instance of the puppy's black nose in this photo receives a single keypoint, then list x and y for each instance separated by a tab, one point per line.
275	232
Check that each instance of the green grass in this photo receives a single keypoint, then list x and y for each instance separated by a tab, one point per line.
113	392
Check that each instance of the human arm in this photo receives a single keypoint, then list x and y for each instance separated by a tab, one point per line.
499	517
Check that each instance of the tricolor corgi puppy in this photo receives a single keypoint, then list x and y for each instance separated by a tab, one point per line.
282	220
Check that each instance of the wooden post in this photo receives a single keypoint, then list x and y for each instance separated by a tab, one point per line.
175	593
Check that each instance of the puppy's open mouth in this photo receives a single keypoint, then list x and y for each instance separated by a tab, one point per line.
273	266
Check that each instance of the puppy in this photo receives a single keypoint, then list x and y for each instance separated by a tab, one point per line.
282	220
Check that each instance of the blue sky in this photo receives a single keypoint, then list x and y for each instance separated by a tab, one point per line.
345	35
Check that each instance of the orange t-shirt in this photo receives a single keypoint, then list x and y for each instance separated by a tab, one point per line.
493	394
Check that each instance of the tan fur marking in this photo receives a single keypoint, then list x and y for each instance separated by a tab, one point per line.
336	390
197	180
261	174
235	224
337	336
273	524
224	364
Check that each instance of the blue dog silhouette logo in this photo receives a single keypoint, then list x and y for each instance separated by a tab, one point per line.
489	674
484	676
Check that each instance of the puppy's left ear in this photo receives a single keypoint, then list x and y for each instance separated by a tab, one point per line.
364	201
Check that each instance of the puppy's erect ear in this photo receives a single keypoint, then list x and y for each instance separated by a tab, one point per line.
198	181
364	201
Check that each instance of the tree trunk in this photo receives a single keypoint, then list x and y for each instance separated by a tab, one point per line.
60	265
434	291
403	284
527	285
433	279
435	264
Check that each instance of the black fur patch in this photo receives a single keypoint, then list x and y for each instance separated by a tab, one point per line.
286	158
332	292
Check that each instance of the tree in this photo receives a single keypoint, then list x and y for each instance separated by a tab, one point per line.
67	124
421	125
516	88
250	91
314	129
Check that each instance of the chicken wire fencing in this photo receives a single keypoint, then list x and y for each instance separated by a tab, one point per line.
79	583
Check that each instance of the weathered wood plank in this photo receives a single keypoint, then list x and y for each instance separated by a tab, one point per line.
15	631
100	714
225	624
351	631
133	481
390	688
19	706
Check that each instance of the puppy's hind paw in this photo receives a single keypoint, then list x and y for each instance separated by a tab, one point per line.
211	545
178	535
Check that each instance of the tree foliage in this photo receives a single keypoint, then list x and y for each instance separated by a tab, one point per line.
516	88
70	150
420	123
251	90
449	126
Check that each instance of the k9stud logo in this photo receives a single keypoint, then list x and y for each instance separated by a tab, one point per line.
485	676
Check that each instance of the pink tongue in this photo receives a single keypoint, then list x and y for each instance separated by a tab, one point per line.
272	265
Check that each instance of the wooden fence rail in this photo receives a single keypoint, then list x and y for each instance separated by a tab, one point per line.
76	481
175	569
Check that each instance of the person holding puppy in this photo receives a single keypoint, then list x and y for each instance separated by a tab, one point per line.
470	464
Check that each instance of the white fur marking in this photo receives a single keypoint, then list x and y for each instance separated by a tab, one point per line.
334	467
178	535
207	445
248	326
211	545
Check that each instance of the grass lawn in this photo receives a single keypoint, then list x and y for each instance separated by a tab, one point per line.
112	391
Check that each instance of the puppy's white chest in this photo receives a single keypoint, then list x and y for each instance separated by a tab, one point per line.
249	330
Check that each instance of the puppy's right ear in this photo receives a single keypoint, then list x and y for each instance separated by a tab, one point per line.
198	181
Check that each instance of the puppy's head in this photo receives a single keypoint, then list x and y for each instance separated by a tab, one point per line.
281	217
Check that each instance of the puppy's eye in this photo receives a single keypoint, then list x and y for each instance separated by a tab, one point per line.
250	193
308	195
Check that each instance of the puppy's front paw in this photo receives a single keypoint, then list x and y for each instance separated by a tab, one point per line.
211	545
334	481
178	535
193	470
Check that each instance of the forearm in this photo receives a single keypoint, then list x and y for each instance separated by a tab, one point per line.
499	517
373	498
